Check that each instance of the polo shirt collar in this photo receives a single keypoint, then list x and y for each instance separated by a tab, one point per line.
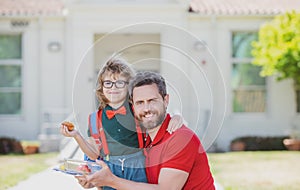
161	132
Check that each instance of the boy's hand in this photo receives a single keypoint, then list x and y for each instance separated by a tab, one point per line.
175	123
69	125
66	132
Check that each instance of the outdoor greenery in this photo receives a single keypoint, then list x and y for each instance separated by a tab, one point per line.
259	170
15	168
277	49
259	143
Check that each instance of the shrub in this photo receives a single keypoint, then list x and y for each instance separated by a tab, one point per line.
10	145
254	143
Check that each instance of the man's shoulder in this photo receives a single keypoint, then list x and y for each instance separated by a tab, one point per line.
185	133
184	130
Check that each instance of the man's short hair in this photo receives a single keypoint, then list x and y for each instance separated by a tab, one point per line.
143	78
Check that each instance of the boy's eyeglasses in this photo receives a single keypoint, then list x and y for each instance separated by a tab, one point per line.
118	84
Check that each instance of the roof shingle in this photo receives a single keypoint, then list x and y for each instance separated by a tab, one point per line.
31	7
243	7
203	7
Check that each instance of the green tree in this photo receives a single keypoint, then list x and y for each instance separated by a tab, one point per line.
277	50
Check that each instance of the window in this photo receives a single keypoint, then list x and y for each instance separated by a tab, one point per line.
10	74
248	88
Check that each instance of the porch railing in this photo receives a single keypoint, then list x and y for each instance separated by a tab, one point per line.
49	136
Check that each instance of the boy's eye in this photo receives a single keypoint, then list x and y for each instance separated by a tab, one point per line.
107	83
118	84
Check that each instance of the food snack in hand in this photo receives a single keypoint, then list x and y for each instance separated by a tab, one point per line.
84	168
77	167
69	125
62	167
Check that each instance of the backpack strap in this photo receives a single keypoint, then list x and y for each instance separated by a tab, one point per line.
94	132
93	129
97	131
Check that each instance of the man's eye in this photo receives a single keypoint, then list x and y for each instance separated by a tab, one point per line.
138	103
152	101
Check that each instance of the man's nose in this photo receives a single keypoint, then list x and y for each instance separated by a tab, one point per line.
146	106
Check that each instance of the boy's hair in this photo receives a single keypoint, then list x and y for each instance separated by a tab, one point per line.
147	78
113	67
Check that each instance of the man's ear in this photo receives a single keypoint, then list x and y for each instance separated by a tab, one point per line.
166	100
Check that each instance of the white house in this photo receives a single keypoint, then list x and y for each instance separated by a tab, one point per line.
51	51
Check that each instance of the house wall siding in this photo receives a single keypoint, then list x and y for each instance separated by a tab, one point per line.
280	99
49	77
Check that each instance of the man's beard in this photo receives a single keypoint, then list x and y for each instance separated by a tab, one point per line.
153	124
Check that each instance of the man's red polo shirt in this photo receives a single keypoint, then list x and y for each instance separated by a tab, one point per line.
181	150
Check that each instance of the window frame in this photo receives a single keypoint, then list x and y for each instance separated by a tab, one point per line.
245	60
15	62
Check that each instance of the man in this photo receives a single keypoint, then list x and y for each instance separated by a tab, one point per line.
173	161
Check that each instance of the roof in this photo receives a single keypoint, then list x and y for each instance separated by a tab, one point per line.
31	7
243	7
202	7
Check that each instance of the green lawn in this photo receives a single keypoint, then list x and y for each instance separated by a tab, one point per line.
15	168
269	170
